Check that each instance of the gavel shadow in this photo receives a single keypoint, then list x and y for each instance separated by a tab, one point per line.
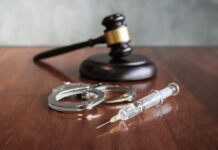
139	85
53	71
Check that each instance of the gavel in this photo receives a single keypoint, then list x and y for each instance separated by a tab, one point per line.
119	64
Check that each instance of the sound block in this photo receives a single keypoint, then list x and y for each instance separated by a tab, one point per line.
130	68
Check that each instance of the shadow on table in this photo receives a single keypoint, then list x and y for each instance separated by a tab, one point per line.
142	120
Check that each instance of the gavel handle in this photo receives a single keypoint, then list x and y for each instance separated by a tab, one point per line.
65	49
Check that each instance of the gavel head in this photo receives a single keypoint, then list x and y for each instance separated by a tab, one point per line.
117	35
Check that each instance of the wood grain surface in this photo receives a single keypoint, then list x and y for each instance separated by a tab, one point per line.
187	121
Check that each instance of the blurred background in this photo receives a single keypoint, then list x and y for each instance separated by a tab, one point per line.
151	22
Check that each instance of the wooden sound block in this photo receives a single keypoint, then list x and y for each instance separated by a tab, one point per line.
130	68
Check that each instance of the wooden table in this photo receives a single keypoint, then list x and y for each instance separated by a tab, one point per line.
186	121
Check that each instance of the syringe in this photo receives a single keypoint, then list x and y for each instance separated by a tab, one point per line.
154	98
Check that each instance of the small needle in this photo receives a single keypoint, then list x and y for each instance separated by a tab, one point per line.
113	119
103	124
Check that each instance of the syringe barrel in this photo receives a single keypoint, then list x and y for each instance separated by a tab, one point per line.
153	99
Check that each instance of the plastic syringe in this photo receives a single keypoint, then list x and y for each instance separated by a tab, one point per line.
153	99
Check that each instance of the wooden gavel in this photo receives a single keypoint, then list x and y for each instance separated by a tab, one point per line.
119	65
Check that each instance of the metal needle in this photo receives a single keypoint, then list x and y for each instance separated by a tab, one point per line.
103	124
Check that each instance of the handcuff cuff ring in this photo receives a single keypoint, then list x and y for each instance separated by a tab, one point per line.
71	89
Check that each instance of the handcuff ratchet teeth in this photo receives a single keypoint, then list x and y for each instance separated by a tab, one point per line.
86	92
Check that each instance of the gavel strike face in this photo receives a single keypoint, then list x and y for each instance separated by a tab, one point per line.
119	65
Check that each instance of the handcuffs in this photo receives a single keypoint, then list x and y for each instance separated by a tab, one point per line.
91	95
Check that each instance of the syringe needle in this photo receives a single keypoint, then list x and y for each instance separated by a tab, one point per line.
103	124
113	119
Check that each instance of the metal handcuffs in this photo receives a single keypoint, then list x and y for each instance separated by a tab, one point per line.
86	92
